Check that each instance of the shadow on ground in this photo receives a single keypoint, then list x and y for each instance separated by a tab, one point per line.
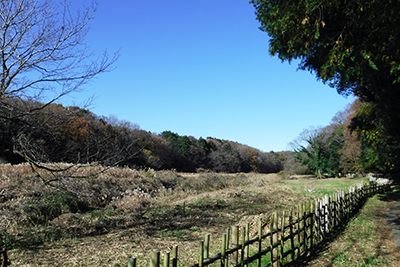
392	214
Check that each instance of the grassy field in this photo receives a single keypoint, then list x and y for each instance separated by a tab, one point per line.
122	213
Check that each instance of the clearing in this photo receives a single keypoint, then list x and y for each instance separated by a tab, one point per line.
122	213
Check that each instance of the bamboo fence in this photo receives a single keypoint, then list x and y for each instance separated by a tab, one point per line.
3	259
290	238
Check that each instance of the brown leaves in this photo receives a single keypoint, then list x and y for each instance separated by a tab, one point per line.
305	20
77	128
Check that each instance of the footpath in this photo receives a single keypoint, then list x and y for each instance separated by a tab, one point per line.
393	219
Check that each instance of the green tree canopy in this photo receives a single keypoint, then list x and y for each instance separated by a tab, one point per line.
351	45
318	149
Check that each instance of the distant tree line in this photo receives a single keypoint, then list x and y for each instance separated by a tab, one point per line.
75	135
341	147
54	133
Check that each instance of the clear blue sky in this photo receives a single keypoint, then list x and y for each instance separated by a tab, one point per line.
202	68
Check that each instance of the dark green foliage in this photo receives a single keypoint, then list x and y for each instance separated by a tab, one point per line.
321	155
206	146
354	47
379	146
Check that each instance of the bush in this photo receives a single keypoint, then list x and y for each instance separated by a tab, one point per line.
44	208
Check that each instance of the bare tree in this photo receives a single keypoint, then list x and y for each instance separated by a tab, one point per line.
43	57
42	49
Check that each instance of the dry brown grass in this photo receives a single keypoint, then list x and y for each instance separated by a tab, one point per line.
123	213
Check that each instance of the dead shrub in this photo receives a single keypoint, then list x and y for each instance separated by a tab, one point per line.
130	203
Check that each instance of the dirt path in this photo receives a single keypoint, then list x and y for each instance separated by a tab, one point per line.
392	215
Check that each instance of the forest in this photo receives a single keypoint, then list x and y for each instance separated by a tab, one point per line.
75	135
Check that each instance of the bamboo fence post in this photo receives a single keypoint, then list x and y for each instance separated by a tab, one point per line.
351	201
207	246
338	212
166	259
299	230
357	196
331	211
4	257
275	240
362	193
174	256
374	187
227	246
243	248
155	259
282	238
312	215
346	205
327	213
201	254
316	212
291	233
235	243
132	262
342	205
303	226
324	213
351	196
323	217
307	225
227	238
271	237
223	249
320	219
335	210
247	249
339	207
353	206
259	241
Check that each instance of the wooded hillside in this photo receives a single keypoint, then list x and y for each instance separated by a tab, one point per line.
54	133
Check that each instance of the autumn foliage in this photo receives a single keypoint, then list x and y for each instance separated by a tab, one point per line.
75	135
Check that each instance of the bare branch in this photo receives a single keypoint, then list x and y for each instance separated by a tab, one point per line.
42	49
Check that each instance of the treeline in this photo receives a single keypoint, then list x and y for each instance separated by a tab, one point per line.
32	132
342	147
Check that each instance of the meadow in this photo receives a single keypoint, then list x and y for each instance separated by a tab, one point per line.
101	217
